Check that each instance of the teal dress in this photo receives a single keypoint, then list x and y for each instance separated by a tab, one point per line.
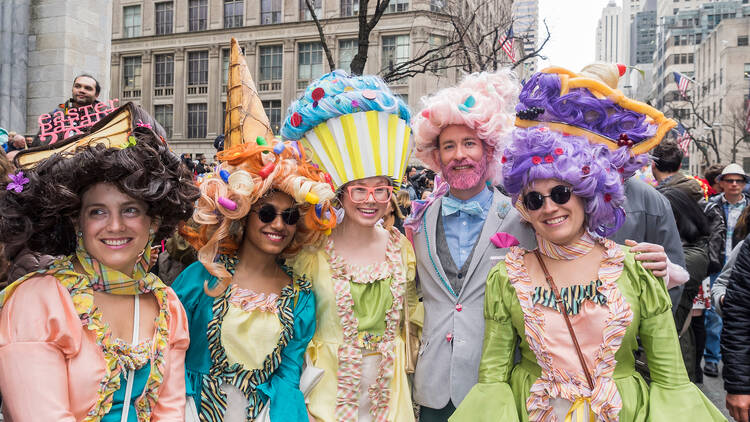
139	384
277	379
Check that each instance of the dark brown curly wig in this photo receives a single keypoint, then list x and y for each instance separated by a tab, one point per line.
43	215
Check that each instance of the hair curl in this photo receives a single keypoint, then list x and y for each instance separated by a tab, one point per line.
43	216
591	169
491	116
222	229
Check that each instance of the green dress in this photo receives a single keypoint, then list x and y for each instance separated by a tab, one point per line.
638	305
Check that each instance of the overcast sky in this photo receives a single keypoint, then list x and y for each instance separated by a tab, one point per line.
572	27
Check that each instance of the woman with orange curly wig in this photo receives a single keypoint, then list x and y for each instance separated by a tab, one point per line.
250	317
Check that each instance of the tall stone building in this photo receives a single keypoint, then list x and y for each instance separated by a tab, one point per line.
608	34
172	56
526	25
44	45
722	91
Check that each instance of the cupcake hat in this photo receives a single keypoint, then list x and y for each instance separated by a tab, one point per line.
353	127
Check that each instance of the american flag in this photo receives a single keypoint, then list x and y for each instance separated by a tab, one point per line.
683	141
682	82
506	43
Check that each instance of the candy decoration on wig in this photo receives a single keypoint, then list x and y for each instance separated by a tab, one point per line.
354	128
578	341
229	377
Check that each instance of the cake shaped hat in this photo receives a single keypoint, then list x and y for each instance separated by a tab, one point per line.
353	127
588	104
114	130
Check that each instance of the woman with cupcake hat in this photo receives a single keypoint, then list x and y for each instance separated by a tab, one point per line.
250	316
357	130
576	305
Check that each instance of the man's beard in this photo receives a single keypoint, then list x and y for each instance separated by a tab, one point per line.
464	180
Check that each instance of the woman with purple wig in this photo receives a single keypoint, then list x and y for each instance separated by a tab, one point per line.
576	304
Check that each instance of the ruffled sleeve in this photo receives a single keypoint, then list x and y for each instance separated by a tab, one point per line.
672	395
171	403
283	390
491	399
197	307
39	330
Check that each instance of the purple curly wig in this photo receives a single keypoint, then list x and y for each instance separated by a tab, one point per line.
594	171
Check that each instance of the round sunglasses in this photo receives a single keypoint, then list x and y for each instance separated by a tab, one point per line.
535	200
267	213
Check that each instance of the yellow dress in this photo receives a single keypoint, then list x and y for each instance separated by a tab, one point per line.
363	306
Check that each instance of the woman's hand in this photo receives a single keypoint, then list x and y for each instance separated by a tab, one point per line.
651	256
739	406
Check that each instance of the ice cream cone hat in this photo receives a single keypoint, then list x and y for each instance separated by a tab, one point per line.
246	120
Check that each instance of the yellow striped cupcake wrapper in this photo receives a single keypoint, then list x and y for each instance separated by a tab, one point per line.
360	145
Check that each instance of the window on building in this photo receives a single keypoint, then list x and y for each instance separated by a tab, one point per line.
395	50
349	8
223	115
163	115
198	15
347	51
164	12
397	6
437	5
437	66
310	63
131	75
233	13
163	70
273	111
196	120
747	70
197	68
721	76
131	21
742	41
271	63
224	69
270	11
304	11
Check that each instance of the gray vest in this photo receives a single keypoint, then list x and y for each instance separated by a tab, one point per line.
446	370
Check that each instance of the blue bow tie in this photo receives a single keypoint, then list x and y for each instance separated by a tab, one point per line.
452	206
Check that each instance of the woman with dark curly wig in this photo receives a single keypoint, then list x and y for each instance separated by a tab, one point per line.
575	305
95	337
250	317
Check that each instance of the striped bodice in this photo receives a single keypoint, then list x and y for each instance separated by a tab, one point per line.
573	296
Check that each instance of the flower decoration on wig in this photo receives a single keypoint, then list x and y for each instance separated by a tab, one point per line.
599	186
353	127
481	101
251	167
16	182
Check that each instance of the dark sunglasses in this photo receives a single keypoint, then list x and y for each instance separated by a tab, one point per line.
267	213
535	200
733	181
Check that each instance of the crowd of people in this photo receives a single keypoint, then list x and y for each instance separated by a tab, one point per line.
524	272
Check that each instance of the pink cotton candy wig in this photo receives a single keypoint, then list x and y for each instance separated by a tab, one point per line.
483	102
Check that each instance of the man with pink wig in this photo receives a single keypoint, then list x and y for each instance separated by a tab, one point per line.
461	231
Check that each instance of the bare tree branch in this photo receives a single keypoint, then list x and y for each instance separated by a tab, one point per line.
329	56
538	50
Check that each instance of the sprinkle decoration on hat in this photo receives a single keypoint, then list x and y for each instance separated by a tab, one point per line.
469	103
369	94
296	119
